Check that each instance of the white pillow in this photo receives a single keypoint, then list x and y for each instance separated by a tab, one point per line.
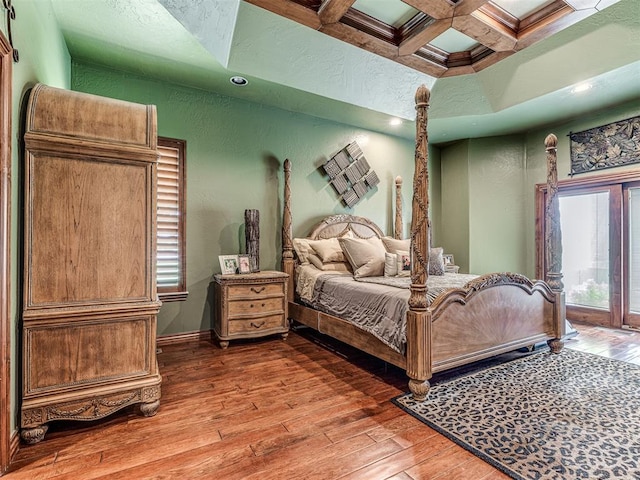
393	245
366	256
390	264
302	248
328	250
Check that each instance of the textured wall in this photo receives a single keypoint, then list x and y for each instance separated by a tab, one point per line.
454	220
235	150
496	205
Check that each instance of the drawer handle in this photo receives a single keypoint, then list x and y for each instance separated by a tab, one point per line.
251	306
257	325
257	290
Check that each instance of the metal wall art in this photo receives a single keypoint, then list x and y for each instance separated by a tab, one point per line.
350	174
607	146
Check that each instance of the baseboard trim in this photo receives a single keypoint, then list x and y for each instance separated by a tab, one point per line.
183	337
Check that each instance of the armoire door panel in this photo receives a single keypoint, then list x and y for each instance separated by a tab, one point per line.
87	353
88	234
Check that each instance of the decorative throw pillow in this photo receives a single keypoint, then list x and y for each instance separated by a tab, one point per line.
330	266
390	264
302	249
403	264
436	261
393	245
327	249
366	256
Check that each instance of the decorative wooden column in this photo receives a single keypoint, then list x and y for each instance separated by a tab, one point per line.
553	238
252	237
288	261
418	318
397	231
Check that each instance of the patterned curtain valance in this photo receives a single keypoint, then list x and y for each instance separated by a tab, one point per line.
607	146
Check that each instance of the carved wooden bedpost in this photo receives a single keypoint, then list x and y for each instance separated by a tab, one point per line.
287	237
397	231
418	317
553	239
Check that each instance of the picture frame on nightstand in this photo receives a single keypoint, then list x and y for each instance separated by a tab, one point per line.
228	264
244	265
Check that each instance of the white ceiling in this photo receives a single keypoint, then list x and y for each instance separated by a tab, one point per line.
201	43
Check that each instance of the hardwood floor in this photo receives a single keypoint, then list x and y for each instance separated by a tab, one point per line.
268	409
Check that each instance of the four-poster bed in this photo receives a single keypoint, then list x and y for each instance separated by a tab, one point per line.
486	316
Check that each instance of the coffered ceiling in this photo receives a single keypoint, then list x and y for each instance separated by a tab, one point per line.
494	67
438	37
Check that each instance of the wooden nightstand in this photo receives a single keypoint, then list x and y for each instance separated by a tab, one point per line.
250	305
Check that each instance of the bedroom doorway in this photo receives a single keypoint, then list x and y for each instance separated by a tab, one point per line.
600	221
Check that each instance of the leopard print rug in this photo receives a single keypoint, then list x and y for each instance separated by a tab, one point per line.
573	415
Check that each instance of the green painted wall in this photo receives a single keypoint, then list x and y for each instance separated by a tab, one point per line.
454	205
235	150
496	205
43	59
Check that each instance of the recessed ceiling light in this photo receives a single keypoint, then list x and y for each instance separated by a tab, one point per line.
581	87
395	121
239	81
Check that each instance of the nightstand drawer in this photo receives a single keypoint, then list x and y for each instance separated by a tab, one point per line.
256	306
258	290
254	325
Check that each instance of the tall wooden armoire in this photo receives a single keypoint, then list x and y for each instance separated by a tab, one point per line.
90	302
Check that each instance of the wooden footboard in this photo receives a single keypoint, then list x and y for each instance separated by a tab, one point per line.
497	314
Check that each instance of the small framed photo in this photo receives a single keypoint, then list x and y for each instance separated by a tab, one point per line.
244	265
404	262
228	263
448	259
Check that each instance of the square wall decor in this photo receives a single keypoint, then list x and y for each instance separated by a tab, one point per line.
350	174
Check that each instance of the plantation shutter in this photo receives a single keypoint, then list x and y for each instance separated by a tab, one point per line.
170	219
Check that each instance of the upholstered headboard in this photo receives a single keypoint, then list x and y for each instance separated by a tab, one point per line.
339	225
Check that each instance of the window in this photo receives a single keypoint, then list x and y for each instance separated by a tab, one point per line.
171	238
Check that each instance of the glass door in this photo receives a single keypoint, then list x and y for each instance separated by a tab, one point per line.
632	256
587	255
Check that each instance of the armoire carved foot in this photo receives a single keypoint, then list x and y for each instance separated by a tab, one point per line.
556	345
34	434
284	335
149	409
